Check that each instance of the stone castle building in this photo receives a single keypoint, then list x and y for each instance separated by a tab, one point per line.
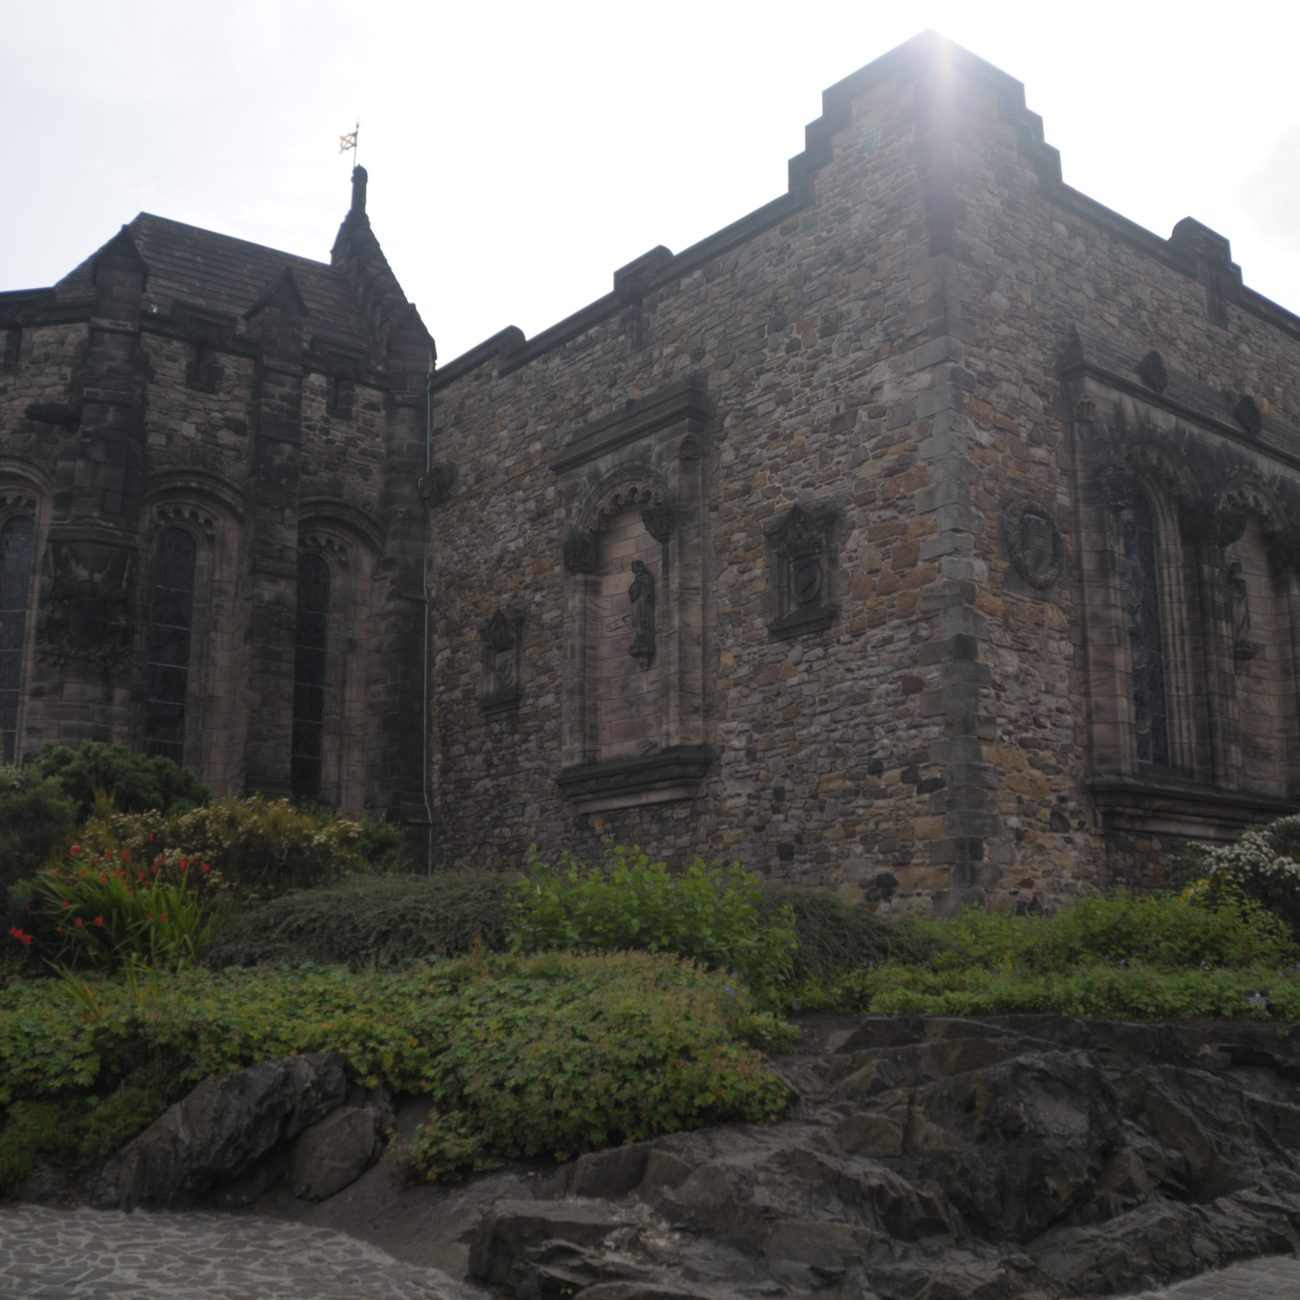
932	532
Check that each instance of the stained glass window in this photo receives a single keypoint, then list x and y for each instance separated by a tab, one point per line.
167	661
1146	638
310	648
15	584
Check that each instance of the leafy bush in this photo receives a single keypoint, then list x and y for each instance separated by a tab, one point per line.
261	847
380	921
1125	992
709	913
111	911
36	816
549	1055
133	782
1264	865
1161	929
832	936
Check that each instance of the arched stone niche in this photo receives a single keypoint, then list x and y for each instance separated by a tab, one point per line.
633	713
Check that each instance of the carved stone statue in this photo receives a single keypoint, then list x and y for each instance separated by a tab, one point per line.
1239	601
642	596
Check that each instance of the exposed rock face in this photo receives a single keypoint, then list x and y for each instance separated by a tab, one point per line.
941	1159
222	1130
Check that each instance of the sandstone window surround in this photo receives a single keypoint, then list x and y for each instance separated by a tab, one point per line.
1191	604
209	515
633	692
338	547
167	643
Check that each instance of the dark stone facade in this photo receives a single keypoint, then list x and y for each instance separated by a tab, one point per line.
188	424
931	532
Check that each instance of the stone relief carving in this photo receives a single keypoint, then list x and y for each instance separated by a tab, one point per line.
641	594
501	639
1246	412
437	486
87	602
1033	541
800	545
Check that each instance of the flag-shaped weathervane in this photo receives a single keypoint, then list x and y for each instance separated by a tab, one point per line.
349	141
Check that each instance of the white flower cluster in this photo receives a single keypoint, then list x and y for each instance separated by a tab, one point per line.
1255	866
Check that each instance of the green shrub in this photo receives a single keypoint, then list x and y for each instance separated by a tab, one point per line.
833	936
549	1055
1161	929
380	921
709	913
1264	865
1104	991
36	817
259	847
133	782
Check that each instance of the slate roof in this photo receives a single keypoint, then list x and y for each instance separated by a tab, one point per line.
221	274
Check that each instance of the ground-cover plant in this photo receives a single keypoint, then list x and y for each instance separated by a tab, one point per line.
262	847
107	911
133	782
523	1056
710	913
381	921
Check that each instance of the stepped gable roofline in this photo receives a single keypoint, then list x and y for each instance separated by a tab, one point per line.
926	56
224	276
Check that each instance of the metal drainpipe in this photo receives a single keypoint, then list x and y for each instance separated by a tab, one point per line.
426	721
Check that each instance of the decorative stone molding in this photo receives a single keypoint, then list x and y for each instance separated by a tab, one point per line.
580	551
1151	371
1033	541
438	485
501	640
1246	412
801	552
659	777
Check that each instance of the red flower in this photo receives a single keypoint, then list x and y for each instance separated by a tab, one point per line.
148	916
184	864
154	869
206	867
21	935
149	837
139	875
78	922
99	920
75	849
124	855
119	874
66	903
103	877
162	916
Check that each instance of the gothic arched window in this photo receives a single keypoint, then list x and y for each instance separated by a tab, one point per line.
167	659
16	547
309	664
1145	632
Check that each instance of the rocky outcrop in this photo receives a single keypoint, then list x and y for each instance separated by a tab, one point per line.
940	1158
234	1135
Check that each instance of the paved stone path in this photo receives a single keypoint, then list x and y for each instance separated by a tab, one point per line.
104	1255
1274	1278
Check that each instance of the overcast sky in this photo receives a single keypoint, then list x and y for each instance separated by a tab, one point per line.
519	153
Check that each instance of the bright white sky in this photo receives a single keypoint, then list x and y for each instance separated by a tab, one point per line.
520	152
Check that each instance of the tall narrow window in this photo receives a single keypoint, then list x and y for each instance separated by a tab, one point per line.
309	676
1146	638
167	661
15	584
